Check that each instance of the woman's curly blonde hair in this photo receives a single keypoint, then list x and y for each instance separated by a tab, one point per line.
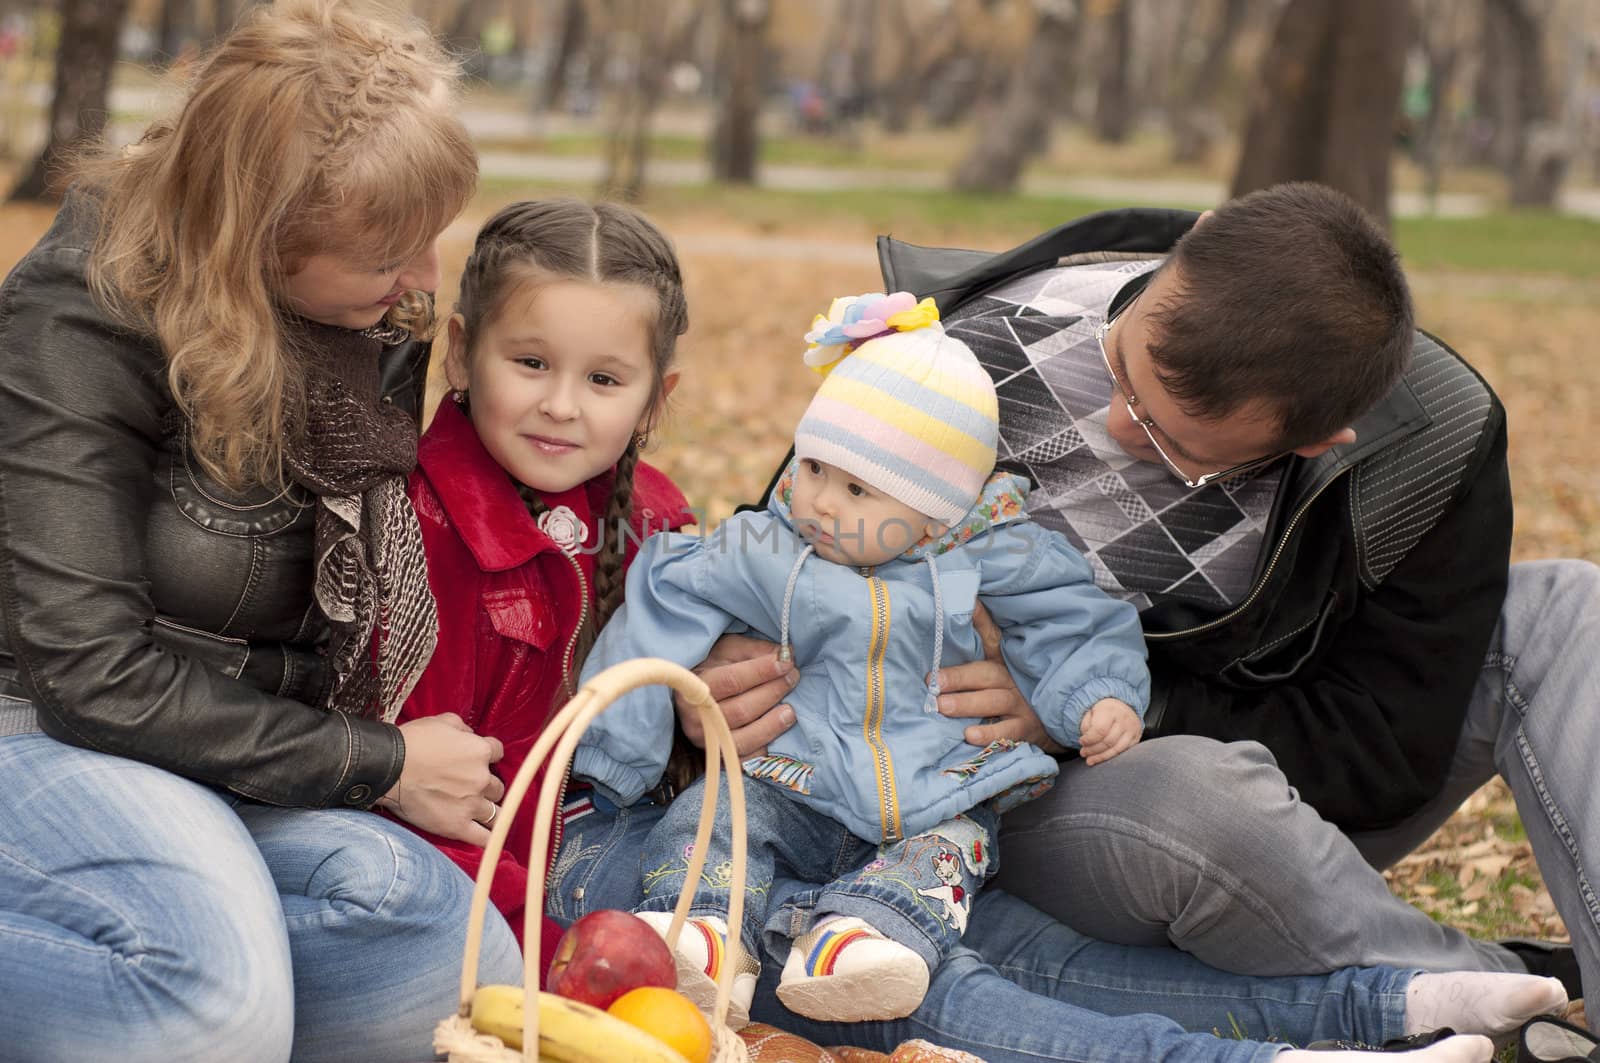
315	126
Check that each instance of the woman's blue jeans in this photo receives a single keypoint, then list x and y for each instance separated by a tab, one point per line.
146	917
1022	987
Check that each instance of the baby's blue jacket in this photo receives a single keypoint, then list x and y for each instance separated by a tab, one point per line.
868	750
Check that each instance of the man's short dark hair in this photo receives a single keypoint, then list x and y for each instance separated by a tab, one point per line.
1292	296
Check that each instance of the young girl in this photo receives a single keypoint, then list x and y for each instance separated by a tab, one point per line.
876	545
529	487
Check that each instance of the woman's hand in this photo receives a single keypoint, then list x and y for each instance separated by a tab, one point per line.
446	786
749	683
984	690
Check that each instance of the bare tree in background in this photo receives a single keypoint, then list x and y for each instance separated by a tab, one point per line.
1114	95
907	83
1533	150
847	59
662	33
1441	26
176	26
736	137
1193	111
1325	103
569	42
224	14
1021	129
969	71
84	61
463	32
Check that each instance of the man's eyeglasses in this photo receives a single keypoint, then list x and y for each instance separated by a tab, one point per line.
1150	427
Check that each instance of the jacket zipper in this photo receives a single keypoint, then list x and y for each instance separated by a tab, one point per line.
566	692
1288	533
872	725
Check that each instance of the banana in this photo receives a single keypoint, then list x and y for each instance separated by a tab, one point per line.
569	1031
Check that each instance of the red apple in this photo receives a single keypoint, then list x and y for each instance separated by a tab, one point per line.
607	953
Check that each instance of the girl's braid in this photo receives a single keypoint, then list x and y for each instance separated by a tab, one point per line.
608	575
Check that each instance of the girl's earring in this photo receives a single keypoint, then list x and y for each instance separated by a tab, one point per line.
459	396
641	440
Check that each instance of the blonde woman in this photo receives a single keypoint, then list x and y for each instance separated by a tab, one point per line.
212	583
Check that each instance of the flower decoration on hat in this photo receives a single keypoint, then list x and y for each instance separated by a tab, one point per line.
852	320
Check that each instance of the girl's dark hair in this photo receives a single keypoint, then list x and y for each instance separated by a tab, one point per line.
567	239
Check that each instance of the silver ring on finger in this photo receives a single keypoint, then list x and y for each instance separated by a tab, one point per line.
494	810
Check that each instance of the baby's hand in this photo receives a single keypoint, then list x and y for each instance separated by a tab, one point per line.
1109	727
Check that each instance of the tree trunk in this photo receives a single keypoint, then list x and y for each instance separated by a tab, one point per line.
1535	149
954	83
1441	48
1113	98
662	41
1325	102
909	80
574	28
224	13
1195	124
464	35
1021	128
736	138
84	61
177	22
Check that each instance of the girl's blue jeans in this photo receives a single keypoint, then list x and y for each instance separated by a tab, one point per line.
1022	987
146	917
917	891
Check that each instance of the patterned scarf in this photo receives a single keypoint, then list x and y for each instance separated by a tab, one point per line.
354	453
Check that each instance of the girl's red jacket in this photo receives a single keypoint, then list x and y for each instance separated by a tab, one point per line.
509	604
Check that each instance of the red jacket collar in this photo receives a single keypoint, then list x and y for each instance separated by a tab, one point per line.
480	499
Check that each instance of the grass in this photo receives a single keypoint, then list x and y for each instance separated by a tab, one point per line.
1525	241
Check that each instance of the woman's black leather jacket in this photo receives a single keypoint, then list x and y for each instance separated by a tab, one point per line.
149	612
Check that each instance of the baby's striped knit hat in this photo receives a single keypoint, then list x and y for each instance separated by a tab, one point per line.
909	411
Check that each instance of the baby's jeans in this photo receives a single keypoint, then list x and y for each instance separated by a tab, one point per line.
917	891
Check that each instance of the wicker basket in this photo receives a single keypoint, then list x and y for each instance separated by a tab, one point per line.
455	1035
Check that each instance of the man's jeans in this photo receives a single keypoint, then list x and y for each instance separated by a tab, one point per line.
917	891
1193	843
145	917
1022	987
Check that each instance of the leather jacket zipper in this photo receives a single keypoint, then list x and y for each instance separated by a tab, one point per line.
560	826
1288	533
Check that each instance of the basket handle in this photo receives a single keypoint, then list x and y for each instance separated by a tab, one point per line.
562	734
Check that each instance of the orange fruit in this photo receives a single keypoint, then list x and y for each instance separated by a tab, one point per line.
667	1015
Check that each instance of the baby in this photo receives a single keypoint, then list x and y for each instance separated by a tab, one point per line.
884	534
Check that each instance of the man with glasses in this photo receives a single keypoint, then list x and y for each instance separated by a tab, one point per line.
1308	501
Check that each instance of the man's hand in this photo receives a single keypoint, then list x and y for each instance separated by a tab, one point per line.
445	785
749	683
1109	727
985	690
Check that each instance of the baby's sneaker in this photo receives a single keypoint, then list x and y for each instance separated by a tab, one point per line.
845	971
701	950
